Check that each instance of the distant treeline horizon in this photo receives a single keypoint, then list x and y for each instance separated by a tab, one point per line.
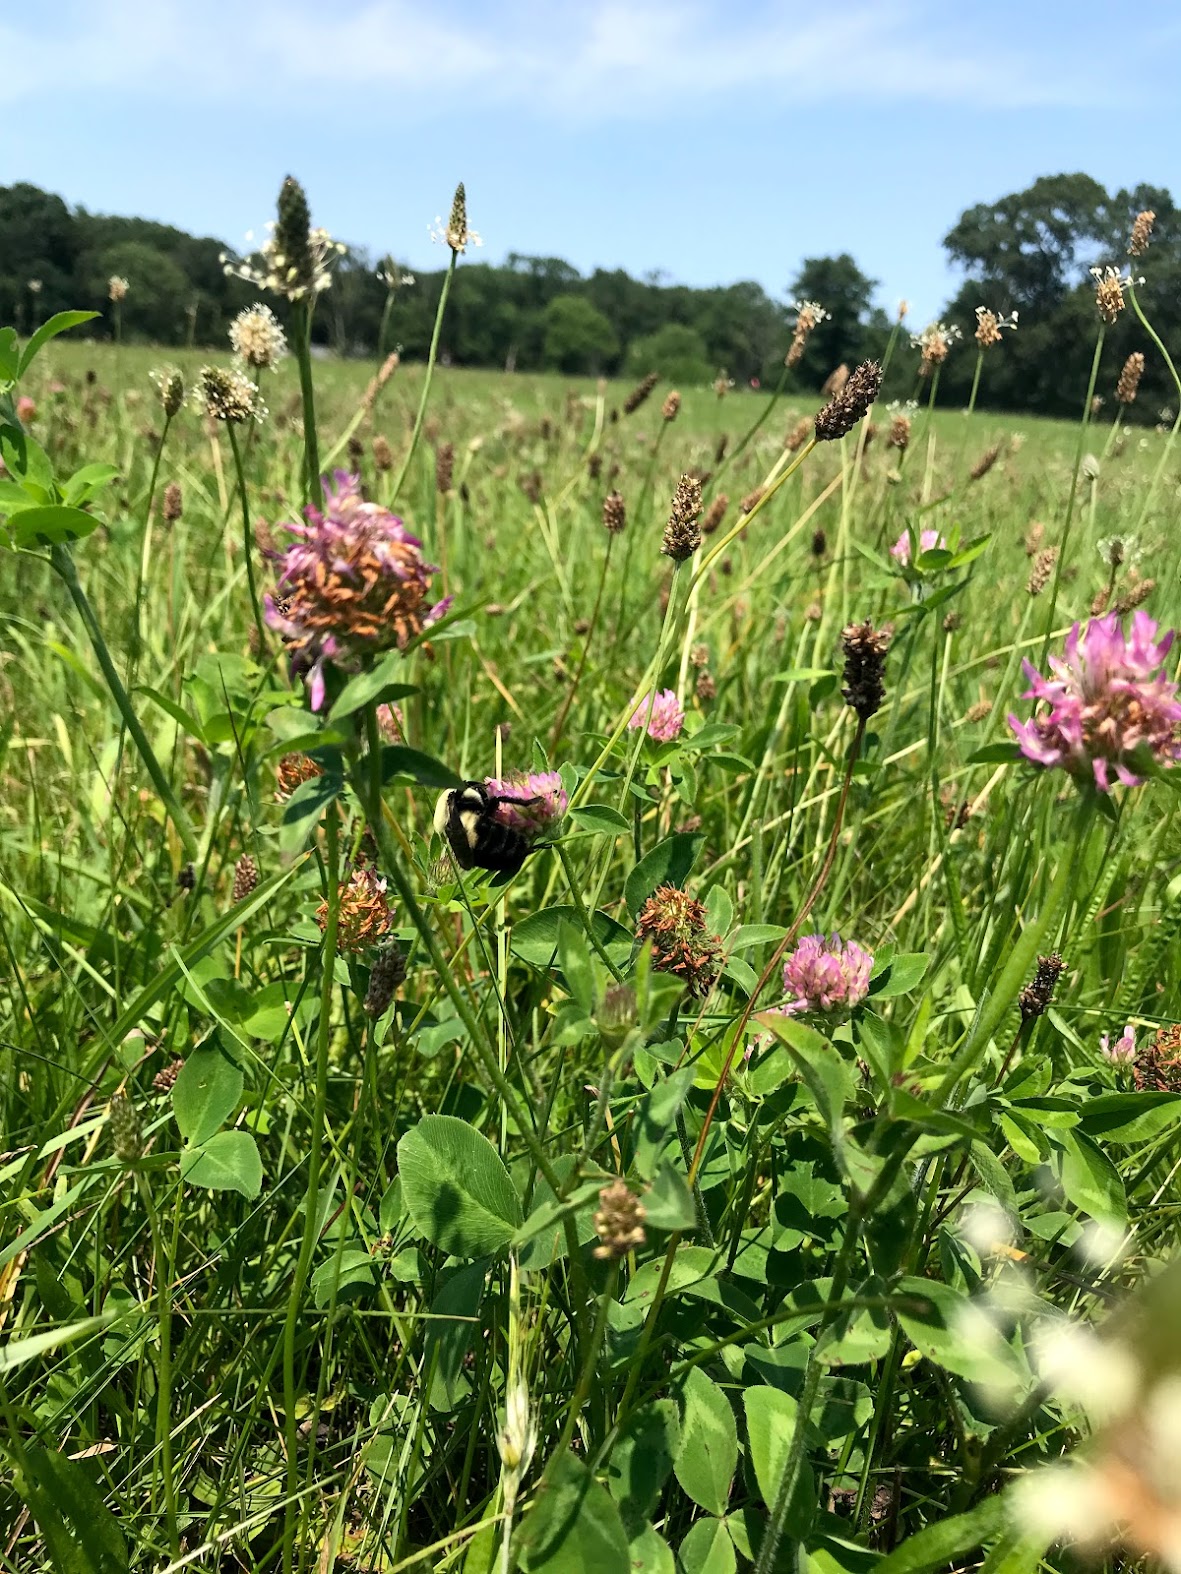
1030	253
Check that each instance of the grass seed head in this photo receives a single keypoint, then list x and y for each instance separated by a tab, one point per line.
1129	378
682	534
614	513
640	392
865	664
843	411
1141	232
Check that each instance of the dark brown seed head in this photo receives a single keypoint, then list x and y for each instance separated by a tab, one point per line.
173	503
819	543
798	435
639	393
245	877
614	513
383	455
594	466
164	1081
751	501
714	514
356	452
1037	995
865	662
1039	574
682	534
1129	379
1141	232
843	411
706	688
986	461
444	467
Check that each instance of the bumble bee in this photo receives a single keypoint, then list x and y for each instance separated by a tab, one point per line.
466	817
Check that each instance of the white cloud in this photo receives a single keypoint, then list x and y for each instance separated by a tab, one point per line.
373	60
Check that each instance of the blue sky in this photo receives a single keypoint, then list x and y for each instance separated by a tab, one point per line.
712	141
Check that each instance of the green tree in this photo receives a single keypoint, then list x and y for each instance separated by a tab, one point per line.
578	338
837	284
677	352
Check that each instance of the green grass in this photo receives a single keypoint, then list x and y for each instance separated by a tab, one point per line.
275	1387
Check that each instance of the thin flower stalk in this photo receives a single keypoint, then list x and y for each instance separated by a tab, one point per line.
424	397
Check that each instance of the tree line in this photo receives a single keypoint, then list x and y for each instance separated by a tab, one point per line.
1031	252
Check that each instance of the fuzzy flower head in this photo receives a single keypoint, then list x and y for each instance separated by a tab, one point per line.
270	267
392	276
117	288
529	804
1110	285
933	344
661	716
1123	1051
809	314
170	385
228	395
456	233
826	975
257	339
1108	703
990	326
352	584
929	541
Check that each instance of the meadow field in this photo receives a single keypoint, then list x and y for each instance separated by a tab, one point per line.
774	1165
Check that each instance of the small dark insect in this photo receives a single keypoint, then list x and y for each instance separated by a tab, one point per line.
466	817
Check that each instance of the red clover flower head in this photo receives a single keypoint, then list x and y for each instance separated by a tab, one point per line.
826	975
529	804
1123	1051
1109	703
666	719
929	540
352	584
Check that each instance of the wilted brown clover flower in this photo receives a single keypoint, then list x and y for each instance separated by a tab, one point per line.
675	923
1129	378
1109	292
293	770
843	411
682	534
640	392
365	916
619	1221
865	662
1141	232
